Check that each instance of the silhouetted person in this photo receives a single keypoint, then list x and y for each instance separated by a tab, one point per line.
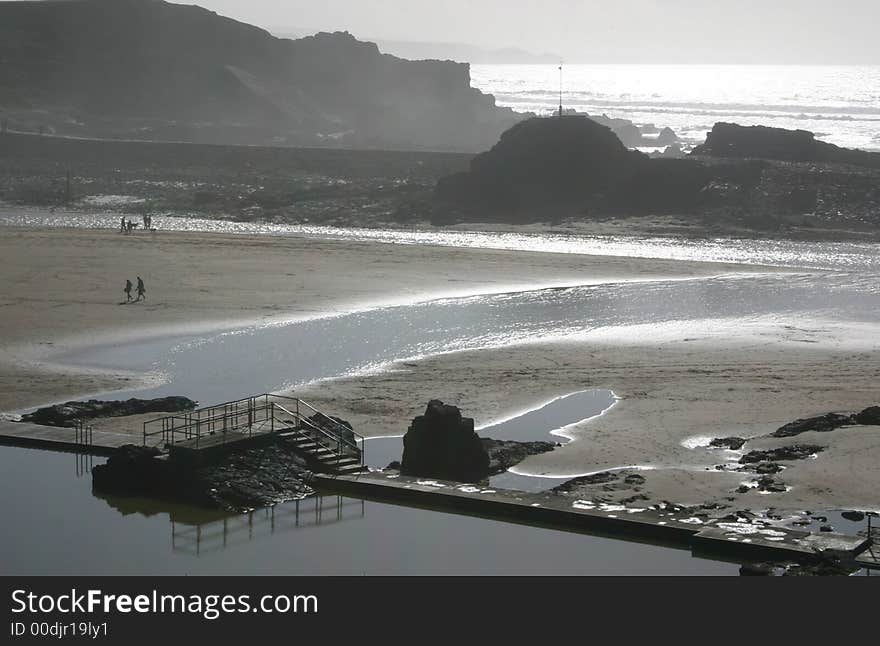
142	291
122	225
127	290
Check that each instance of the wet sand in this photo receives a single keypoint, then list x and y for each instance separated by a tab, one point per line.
63	288
715	384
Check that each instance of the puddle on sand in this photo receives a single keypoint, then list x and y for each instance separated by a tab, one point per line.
545	423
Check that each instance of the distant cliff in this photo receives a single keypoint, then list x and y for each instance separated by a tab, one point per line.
153	70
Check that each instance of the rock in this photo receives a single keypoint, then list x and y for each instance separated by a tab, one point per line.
393	466
67	414
761	569
261	475
767	483
820	424
762	142
768	468
543	161
826	528
733	443
634	479
869	417
743	489
667	137
442	444
574	485
128	470
793	452
334	425
504	454
855	516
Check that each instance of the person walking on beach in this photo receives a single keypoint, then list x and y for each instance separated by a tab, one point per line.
142	291
122	225
127	290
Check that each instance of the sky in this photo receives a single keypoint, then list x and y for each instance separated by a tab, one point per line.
601	31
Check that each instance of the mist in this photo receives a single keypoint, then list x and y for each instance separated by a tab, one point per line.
627	31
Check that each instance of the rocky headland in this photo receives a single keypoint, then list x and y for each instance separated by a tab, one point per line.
760	179
154	70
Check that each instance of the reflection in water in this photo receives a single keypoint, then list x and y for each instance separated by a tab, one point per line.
234	530
57	526
84	464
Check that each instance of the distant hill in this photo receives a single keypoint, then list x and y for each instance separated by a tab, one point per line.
465	53
459	52
148	69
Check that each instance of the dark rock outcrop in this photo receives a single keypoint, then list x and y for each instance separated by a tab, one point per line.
570	162
733	443
148	69
66	414
793	452
762	142
504	454
335	425
820	424
667	137
869	417
259	476
854	516
768	483
768	468
543	161
442	444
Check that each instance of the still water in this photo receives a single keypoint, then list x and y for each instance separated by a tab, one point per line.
70	531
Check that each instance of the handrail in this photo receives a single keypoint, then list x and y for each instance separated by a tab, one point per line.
322	430
256	410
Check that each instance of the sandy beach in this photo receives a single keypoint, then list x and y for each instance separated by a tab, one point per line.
62	289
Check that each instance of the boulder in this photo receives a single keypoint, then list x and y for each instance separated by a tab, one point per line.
733	443
854	516
768	468
66	414
762	569
130	470
870	416
793	452
334	425
442	444
820	424
667	137
762	142
504	454
242	479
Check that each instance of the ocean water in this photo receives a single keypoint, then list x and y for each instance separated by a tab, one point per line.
840	104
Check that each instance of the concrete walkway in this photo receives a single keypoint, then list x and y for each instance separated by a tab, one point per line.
727	540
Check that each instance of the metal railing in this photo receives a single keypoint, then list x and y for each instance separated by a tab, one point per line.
257	414
83	433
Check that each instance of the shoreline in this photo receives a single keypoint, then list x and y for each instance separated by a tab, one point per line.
51	311
736	377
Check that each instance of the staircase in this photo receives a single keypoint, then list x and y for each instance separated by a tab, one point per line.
329	446
323	441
